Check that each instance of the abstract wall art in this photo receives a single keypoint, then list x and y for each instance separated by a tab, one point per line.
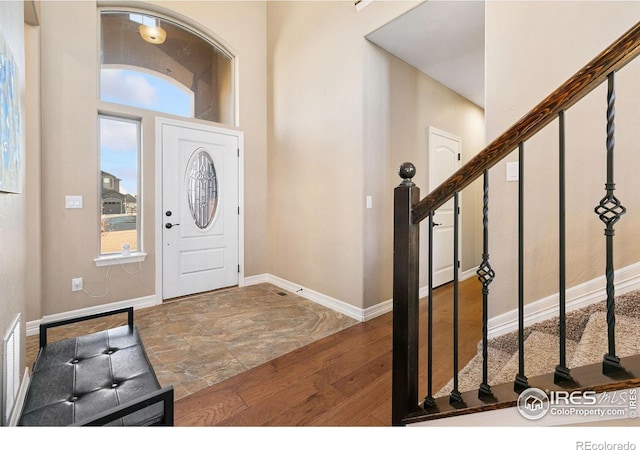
11	152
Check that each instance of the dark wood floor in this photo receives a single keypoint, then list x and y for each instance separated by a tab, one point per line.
341	380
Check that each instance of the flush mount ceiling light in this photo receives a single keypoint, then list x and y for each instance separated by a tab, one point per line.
152	33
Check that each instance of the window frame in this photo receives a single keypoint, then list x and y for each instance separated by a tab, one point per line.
118	257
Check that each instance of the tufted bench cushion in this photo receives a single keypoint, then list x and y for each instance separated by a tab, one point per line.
78	379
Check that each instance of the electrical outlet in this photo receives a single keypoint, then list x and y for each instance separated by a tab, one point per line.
76	284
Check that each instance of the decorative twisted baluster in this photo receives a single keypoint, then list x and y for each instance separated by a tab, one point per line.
562	373
521	381
610	210
485	276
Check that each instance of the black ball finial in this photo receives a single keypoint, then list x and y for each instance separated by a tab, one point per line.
407	171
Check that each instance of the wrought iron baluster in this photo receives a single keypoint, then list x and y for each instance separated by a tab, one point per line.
455	396
429	401
521	381
610	210
485	276
562	373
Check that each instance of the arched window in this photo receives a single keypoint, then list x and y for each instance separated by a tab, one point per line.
154	63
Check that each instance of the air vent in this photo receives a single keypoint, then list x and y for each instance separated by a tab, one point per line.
11	375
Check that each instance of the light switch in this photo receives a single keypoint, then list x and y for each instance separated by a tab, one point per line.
73	201
513	171
369	202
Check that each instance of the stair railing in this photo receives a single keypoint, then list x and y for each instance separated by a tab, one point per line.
409	211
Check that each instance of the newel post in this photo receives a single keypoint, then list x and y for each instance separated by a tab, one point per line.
406	238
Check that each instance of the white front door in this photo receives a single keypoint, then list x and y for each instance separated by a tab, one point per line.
444	160
199	209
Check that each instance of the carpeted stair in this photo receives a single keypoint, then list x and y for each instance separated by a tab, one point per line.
586	344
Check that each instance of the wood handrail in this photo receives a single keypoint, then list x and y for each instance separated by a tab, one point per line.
616	56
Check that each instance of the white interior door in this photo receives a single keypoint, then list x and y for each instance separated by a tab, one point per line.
200	238
444	159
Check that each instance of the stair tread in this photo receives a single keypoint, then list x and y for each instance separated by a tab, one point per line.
470	376
541	356
541	352
593	344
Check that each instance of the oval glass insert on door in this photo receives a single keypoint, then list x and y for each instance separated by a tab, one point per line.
202	188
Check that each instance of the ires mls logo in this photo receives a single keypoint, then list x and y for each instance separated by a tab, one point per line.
534	404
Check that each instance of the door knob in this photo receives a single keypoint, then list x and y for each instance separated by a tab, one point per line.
170	225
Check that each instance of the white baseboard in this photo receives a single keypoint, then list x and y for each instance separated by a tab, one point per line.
33	326
378	310
359	314
315	296
626	279
424	290
255	279
469	274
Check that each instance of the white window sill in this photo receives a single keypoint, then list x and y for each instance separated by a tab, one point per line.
118	258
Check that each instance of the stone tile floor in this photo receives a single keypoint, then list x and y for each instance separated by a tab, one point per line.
197	341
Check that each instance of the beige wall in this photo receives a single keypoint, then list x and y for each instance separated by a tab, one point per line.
34	172
533	47
13	206
70	158
400	105
316	167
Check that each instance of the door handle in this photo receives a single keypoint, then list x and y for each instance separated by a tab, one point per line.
170	225
436	224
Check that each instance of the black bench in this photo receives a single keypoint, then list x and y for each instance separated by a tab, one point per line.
103	378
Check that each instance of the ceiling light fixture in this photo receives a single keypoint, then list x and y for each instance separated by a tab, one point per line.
152	33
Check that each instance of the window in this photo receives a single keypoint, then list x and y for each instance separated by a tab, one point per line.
119	156
153	63
202	188
144	90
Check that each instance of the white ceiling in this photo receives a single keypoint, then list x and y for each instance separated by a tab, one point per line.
445	40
